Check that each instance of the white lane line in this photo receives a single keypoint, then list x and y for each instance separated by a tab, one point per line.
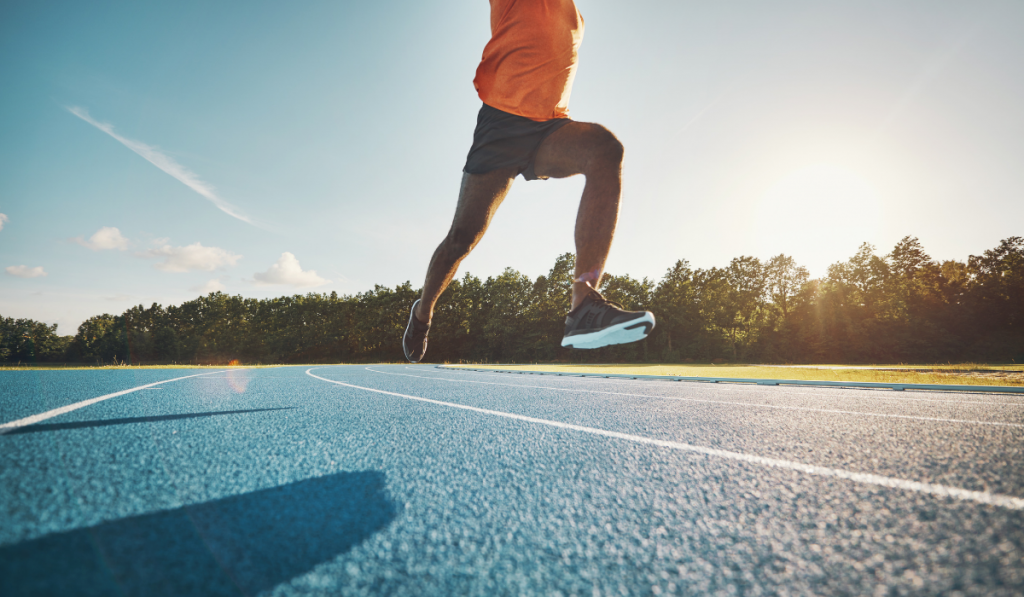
728	403
803	391
8	427
981	497
796	390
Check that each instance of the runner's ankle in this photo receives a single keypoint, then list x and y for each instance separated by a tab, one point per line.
580	290
419	315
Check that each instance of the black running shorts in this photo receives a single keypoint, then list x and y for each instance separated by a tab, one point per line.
503	140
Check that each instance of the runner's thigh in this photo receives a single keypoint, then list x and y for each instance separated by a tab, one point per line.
570	149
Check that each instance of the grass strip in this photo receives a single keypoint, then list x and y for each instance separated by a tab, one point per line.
974	374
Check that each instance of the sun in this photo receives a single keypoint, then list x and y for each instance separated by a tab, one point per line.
818	214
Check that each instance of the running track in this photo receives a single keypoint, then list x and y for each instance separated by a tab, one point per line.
413	480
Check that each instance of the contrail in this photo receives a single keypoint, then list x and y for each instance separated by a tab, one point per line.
167	164
699	114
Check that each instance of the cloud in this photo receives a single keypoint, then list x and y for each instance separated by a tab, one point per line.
105	238
167	164
191	257
3	218
214	285
23	271
287	271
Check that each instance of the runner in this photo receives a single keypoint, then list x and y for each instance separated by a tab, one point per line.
524	81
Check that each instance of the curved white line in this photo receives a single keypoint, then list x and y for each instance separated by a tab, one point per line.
981	497
802	390
8	427
703	400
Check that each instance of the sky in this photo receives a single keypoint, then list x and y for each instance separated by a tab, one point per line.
153	152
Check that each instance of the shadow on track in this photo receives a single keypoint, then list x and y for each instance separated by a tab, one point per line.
86	424
239	545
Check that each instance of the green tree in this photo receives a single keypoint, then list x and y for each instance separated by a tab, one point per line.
677	319
31	341
747	285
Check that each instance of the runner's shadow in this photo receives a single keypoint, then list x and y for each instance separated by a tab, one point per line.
36	428
239	545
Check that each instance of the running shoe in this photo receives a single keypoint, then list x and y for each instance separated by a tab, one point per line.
414	342
598	322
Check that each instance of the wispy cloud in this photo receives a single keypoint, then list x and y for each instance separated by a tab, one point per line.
106	237
24	271
287	271
192	257
3	218
165	163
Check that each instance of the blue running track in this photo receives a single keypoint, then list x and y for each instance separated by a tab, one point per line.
413	480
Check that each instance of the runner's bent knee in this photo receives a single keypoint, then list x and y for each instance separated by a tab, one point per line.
606	151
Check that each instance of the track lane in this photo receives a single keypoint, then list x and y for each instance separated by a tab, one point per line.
760	404
980	497
482	505
1007	400
925	451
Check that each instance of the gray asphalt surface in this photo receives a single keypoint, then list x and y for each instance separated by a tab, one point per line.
271	481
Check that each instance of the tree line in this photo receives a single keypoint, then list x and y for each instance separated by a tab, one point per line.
899	307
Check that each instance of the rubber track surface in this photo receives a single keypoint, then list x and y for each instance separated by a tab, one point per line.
410	480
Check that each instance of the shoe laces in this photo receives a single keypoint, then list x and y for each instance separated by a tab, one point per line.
599	299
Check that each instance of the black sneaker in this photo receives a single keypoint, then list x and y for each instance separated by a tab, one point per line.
414	342
598	322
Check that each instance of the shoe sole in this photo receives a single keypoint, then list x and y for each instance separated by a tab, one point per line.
622	333
408	326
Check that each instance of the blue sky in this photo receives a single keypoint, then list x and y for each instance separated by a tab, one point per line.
271	148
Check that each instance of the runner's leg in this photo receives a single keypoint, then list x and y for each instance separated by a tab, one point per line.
591	150
479	198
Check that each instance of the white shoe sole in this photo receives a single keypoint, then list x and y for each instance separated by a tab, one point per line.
622	333
408	326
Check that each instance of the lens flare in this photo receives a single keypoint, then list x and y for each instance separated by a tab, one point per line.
238	379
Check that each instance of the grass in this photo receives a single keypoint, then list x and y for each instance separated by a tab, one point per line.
964	374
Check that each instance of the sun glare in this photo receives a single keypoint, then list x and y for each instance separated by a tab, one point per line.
818	214
238	379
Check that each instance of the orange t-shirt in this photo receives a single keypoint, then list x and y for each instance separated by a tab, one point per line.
530	62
